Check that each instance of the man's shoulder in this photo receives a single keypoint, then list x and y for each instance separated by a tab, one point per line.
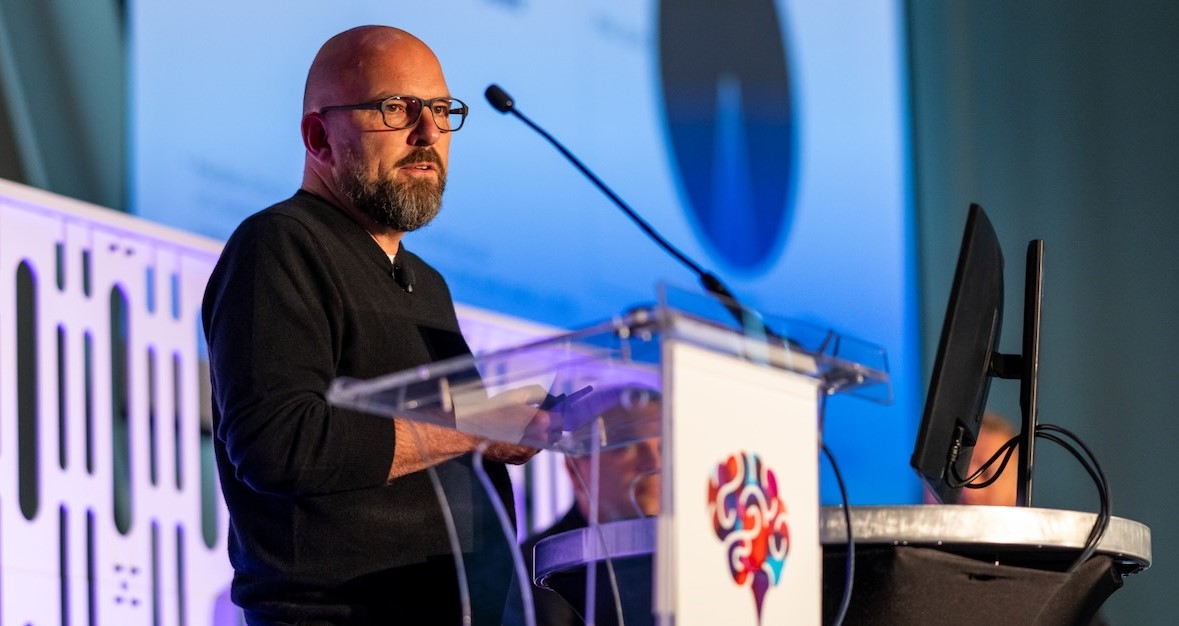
302	207
303	216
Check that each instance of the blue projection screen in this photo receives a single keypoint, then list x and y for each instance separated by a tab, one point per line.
765	139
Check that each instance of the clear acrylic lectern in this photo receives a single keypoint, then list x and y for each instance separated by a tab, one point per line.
737	539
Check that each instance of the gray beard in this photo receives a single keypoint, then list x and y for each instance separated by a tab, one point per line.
403	207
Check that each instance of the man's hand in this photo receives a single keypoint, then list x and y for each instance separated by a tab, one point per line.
538	431
507	422
508	417
510	453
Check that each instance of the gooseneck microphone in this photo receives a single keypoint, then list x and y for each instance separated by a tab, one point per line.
504	104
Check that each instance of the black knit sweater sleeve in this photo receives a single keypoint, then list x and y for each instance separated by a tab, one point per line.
272	316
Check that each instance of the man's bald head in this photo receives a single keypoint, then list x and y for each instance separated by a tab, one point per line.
343	69
390	179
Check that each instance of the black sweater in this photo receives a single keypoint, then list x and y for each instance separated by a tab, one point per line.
301	295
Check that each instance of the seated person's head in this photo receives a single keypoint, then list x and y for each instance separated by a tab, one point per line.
628	475
992	434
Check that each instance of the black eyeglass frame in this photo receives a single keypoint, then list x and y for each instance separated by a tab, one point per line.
383	104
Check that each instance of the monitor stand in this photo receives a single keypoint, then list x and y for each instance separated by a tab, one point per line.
1025	367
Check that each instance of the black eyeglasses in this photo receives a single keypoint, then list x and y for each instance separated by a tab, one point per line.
401	112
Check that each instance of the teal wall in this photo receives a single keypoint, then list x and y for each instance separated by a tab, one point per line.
63	112
1062	120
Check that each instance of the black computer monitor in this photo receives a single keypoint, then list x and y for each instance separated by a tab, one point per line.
961	376
967	358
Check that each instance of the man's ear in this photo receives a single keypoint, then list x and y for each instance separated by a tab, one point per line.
315	137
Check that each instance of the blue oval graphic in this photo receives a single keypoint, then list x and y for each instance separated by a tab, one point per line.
730	119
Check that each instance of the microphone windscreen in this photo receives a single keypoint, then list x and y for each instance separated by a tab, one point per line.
499	98
403	275
410	279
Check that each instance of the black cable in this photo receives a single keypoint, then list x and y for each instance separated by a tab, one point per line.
849	574
1067	433
1006	450
1088	461
1101	523
1095	472
1104	482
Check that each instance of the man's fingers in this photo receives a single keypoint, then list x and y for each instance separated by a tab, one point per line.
542	428
510	453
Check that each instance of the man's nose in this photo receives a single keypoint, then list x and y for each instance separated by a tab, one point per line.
425	132
649	459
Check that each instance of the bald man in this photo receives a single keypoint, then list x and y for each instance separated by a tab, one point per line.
332	520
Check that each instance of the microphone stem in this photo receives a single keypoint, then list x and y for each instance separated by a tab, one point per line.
651	232
711	283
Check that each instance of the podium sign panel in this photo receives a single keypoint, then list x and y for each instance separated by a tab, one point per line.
739	533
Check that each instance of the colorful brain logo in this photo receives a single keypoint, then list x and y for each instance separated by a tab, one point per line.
750	520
